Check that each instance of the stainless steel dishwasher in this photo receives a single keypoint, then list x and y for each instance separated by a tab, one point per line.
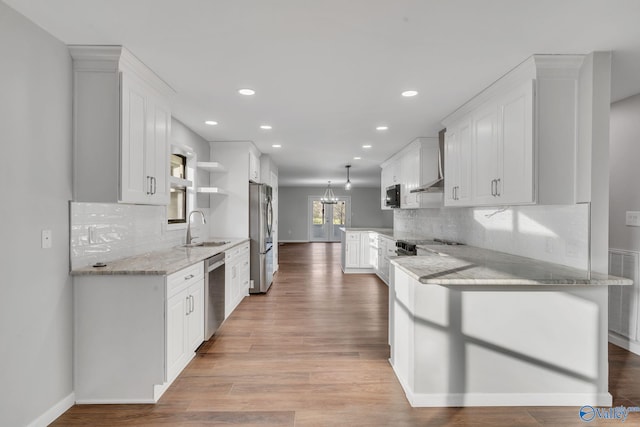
213	294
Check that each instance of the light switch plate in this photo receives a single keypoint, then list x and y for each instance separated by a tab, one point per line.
46	239
633	218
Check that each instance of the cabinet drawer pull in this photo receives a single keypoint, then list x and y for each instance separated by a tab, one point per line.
191	276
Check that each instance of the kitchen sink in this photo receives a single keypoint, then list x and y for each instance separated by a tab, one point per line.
216	243
206	244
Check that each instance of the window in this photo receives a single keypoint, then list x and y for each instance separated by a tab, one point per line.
181	176
177	212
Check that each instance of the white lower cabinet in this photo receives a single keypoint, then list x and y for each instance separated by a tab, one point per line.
133	334
185	317
386	249
355	256
237	271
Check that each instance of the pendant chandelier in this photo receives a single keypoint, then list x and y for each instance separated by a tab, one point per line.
329	198
347	185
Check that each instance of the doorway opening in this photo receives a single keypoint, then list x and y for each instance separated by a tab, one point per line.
325	220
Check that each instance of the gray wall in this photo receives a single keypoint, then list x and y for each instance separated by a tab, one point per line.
293	210
36	313
624	181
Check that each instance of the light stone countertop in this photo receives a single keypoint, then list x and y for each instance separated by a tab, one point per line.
468	265
160	262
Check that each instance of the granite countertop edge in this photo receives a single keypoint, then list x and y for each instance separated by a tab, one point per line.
157	263
493	261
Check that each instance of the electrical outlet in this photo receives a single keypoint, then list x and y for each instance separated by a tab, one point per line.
46	239
633	218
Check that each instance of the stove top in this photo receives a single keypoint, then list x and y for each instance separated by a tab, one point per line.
408	247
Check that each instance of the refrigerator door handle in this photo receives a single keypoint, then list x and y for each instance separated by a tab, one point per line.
269	217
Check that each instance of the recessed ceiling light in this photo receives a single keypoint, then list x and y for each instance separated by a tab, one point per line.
266	127
366	146
382	128
277	146
246	91
357	158
409	93
211	123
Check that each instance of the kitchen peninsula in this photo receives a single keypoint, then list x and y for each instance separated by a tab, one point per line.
139	320
474	327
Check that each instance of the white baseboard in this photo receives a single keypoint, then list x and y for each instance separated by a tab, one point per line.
114	401
624	342
54	412
427	400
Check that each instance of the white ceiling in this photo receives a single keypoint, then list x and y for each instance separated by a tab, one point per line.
327	72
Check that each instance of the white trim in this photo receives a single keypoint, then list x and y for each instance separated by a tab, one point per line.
114	401
294	241
349	270
54	412
624	342
427	400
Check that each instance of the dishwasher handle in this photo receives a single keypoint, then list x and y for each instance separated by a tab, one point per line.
214	266
214	262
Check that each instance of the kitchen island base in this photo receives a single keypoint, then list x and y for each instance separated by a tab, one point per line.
501	345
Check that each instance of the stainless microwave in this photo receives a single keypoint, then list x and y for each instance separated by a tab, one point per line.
393	196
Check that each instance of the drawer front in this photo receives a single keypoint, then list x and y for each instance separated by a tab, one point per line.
236	252
184	278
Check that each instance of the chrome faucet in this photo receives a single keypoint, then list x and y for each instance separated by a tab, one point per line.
204	221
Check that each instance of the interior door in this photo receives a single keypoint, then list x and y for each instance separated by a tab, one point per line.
325	220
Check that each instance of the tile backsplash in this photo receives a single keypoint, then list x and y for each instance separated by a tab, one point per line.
121	230
558	234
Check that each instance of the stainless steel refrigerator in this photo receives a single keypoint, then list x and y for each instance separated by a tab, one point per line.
260	233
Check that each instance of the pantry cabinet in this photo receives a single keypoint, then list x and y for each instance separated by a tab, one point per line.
122	126
515	142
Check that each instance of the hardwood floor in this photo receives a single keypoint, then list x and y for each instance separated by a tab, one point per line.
313	352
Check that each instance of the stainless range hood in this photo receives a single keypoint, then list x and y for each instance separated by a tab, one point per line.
437	185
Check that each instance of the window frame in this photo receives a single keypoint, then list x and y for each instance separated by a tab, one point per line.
189	183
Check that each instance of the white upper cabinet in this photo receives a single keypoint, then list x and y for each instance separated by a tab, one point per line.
515	161
485	154
516	140
254	167
457	158
413	166
122	127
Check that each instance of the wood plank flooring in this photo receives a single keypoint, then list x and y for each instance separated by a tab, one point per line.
313	352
